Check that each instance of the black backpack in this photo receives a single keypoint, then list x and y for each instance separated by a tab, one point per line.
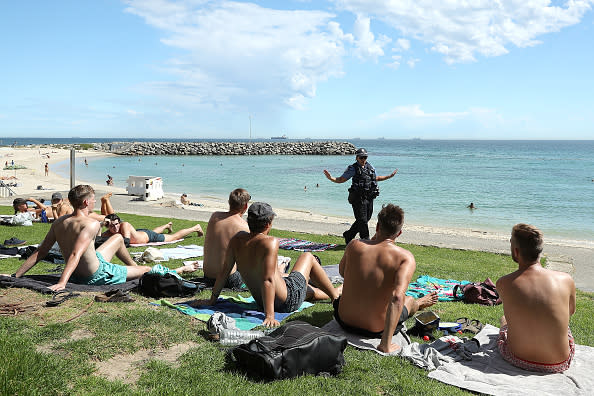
168	285
296	348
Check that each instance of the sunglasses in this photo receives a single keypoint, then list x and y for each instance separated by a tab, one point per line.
363	157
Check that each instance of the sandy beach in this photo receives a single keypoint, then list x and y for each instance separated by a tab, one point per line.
574	257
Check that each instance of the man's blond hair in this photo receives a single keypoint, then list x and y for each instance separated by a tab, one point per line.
78	194
238	199
528	239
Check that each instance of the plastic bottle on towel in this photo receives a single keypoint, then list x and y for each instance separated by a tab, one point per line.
236	337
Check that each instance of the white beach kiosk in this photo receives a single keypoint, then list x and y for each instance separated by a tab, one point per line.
148	188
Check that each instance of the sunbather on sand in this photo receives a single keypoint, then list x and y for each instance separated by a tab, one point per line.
256	255
75	234
142	235
376	275
222	226
537	305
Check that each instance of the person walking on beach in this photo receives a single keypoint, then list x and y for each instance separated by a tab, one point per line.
46	169
537	306
363	191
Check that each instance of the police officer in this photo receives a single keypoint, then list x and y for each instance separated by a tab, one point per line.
361	193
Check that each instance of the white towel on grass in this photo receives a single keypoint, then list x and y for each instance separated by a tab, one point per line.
361	342
183	252
488	373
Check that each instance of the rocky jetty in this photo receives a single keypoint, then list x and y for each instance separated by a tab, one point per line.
228	148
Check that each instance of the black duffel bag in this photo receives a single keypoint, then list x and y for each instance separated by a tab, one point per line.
167	285
296	348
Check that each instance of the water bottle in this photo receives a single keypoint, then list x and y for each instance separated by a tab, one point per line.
236	336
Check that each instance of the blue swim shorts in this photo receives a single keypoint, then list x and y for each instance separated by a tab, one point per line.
153	236
106	274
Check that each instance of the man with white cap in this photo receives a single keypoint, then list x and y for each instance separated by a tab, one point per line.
362	192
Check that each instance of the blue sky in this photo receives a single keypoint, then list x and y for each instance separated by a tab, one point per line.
481	69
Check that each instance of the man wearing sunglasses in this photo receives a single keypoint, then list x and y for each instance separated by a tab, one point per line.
362	192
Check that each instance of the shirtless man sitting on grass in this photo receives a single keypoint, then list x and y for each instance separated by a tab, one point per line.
537	305
256	254
376	275
142	235
222	226
75	234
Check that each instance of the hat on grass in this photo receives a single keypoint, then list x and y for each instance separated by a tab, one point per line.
260	210
56	196
361	152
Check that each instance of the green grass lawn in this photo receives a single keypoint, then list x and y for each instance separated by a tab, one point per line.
66	350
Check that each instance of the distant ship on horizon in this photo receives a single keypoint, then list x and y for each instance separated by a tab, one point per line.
279	137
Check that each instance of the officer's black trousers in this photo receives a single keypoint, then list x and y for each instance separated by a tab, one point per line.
362	209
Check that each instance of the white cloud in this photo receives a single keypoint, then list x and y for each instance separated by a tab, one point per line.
414	115
395	61
133	112
366	46
412	62
415	112
461	29
239	54
402	45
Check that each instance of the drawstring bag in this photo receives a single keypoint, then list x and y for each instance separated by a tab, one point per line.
483	293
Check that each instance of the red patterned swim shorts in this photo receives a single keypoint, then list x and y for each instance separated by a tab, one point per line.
534	366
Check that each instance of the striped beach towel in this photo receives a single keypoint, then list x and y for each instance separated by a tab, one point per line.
303	245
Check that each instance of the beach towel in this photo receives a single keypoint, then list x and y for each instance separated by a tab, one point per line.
182	252
244	310
304	246
366	343
333	274
488	373
41	283
155	243
426	284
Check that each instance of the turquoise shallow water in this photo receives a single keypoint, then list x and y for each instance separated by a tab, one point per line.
546	183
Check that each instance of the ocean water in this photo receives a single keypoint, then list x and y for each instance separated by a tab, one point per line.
545	183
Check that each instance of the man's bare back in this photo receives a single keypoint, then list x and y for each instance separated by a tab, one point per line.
371	272
538	304
376	275
256	259
222	226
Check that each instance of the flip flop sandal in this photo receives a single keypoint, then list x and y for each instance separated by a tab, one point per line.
114	296
59	297
474	326
464	322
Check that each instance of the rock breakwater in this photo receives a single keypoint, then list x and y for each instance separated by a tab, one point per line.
228	148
